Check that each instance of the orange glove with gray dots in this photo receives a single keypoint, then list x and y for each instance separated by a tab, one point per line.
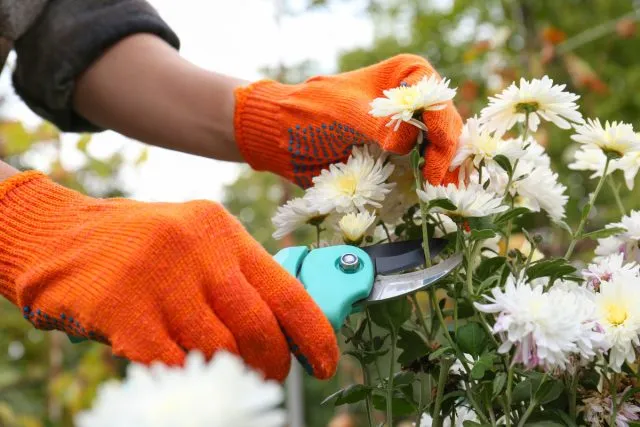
298	130
154	280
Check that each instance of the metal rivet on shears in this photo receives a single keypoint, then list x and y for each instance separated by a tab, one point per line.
349	262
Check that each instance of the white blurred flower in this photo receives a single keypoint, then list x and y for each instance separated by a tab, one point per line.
618	308
294	214
629	164
220	393
443	225
355	225
429	94
608	246
478	144
607	269
351	186
615	137
540	97
590	159
545	327
463	413
469	201
627	242
597	410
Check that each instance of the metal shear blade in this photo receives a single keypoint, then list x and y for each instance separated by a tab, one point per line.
397	285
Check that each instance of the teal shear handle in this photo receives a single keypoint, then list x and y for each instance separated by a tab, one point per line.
335	277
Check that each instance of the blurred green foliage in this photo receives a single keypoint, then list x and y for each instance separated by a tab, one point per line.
482	46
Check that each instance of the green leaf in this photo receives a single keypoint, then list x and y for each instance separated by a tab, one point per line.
412	345
510	215
549	391
603	232
498	384
415	158
399	403
352	394
504	163
445	204
482	365
332	396
391	314
550	268
489	266
522	391
472	338
482	234
440	352
403	378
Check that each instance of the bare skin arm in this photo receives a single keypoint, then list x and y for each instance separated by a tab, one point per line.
144	89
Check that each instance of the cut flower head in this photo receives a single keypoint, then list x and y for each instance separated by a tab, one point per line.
403	102
470	201
355	226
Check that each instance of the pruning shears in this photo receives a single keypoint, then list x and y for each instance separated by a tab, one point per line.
341	279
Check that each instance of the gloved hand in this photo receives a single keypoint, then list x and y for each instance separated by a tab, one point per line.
298	130
153	280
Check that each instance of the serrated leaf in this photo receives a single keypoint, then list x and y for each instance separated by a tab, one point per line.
403	378
548	268
504	163
489	266
498	384
445	204
549	391
482	235
472	338
603	232
412	345
391	314
399	403
352	394
481	366
511	214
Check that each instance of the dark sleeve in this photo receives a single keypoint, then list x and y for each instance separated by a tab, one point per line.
66	38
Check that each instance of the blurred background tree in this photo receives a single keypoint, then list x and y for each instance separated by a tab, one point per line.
482	47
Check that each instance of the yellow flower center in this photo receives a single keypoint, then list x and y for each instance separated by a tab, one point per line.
407	97
487	145
347	184
616	314
527	107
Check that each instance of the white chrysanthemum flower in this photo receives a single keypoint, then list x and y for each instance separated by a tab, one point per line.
540	97
463	413
590	159
220	393
470	201
607	269
627	242
296	213
443	225
354	185
526	188
545	327
629	164
609	246
355	225
478	145
401	103
534	153
616	137
618	307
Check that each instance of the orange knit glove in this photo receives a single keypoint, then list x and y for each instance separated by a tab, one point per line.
153	280
298	130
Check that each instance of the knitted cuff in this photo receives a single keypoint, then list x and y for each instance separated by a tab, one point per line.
30	204
258	128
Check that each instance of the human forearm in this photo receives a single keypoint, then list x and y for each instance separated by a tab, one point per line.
142	88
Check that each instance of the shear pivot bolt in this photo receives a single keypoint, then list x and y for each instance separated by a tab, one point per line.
349	262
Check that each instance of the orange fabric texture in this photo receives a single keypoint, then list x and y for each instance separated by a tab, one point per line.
153	280
298	130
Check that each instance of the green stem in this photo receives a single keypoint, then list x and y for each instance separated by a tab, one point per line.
390	380
442	379
370	329
420	410
525	134
616	194
472	253
367	382
573	396
318	232
532	406
386	230
422	322
507	415
585	215
417	174
614	400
